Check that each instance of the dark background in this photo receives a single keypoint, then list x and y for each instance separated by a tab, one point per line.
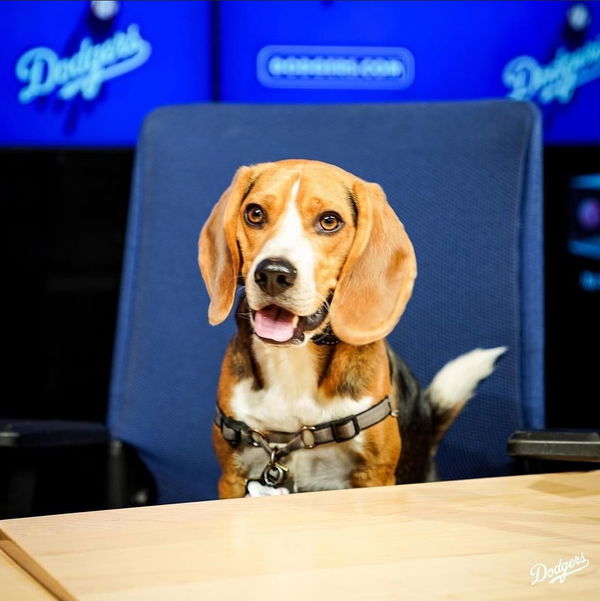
67	216
572	314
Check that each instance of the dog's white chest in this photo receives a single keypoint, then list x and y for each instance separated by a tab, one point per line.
289	401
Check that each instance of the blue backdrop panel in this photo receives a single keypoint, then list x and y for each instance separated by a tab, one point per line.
546	52
71	77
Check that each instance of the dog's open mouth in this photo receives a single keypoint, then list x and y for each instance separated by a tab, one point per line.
278	325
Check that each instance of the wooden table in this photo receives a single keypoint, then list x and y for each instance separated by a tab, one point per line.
17	585
470	539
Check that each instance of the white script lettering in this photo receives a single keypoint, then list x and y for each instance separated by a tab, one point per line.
560	571
44	71
558	80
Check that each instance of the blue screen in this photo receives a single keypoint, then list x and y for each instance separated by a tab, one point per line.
80	73
547	52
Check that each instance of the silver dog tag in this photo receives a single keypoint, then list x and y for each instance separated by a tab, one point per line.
255	488
274	474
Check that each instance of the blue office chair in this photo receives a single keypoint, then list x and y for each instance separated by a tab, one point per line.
465	179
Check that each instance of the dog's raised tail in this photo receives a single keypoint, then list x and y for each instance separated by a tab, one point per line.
456	383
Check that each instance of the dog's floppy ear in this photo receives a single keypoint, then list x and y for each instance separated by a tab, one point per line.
218	255
377	277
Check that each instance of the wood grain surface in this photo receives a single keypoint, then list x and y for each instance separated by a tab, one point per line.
17	585
470	539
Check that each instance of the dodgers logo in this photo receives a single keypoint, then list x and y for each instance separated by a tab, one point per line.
43	71
559	572
528	80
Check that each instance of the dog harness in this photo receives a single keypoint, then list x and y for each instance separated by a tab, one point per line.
238	433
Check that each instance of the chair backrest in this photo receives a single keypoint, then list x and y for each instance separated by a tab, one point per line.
465	178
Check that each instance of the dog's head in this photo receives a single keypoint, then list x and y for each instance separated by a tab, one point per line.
313	245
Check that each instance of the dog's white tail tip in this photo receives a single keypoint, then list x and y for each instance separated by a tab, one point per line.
457	381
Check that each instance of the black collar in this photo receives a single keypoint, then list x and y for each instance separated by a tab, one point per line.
326	338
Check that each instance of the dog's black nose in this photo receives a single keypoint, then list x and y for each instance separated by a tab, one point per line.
275	276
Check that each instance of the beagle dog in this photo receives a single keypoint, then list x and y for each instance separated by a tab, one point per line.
310	395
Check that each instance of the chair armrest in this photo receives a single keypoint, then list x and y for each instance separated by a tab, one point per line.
54	466
581	446
33	434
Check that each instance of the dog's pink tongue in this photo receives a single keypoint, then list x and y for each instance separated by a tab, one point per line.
275	323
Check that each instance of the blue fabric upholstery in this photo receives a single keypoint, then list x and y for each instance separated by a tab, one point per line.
465	178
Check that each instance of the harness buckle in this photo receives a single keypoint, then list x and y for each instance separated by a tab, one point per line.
339	436
307	437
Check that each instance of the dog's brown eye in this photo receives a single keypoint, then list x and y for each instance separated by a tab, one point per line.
330	222
255	215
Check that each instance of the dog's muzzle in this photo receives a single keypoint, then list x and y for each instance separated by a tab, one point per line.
274	323
277	325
